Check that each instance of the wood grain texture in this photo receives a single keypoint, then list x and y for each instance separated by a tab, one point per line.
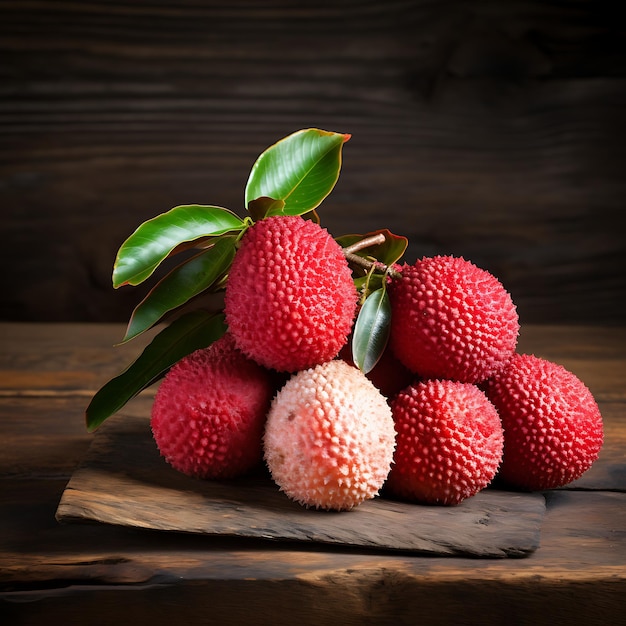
60	573
63	358
493	131
81	357
124	481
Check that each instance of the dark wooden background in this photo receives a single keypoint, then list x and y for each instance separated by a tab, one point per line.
490	129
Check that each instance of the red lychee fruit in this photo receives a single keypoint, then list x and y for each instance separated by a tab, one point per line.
553	429
209	412
449	442
329	437
290	298
451	319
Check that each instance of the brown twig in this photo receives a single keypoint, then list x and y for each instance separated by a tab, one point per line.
368	242
368	264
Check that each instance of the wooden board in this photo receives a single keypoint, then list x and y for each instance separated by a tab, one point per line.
124	481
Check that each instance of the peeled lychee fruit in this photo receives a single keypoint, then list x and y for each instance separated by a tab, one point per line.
290	298
552	425
209	412
449	442
451	319
329	437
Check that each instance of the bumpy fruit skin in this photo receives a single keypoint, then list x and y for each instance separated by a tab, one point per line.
290	299
209	412
329	437
451	319
553	428
449	442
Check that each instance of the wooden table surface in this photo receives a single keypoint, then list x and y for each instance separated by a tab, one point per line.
99	574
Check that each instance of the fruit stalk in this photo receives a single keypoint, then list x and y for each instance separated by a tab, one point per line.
368	264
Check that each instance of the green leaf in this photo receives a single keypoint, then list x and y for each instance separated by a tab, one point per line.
192	277
155	239
371	330
189	332
301	170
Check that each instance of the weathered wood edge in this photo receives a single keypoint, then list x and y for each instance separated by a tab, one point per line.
123	481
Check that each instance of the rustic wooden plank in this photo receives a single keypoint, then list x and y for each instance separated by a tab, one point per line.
63	358
46	437
388	599
62	570
581	539
492	131
124	481
58	573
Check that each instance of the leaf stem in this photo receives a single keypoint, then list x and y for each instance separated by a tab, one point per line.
368	264
374	240
363	262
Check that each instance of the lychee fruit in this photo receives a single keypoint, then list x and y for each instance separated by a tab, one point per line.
209	412
449	442
329	437
451	319
290	299
553	429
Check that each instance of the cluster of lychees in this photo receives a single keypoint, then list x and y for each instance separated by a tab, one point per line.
449	407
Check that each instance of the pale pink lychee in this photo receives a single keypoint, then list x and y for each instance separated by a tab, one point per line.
553	428
451	319
290	298
449	442
209	412
329	437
